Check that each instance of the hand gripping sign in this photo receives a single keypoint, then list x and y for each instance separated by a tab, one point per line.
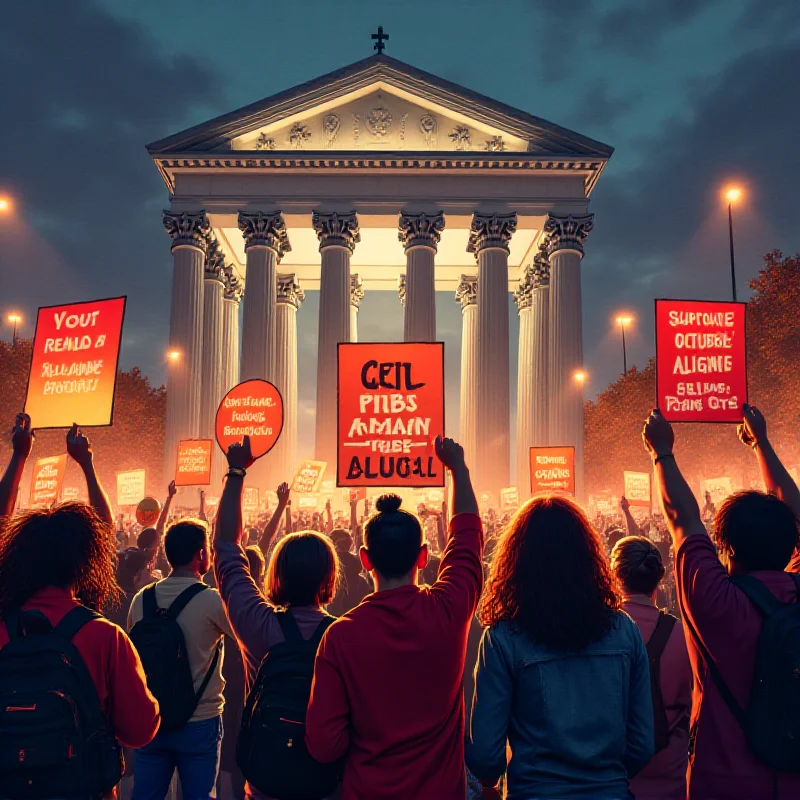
253	408
701	360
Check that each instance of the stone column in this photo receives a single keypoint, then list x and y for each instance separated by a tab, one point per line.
540	334
289	297
265	243
189	233
338	235
213	301
230	357
565	349
467	295
356	296
420	235
524	298
488	240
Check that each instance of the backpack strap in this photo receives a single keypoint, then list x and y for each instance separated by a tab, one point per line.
316	637
655	649
183	599
658	639
73	621
198	695
289	627
758	594
149	602
12	621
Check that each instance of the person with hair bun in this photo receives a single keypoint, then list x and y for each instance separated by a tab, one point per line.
637	563
387	693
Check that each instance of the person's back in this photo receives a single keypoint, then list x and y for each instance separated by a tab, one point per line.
399	656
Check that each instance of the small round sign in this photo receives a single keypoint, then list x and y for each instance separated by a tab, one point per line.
147	511
253	408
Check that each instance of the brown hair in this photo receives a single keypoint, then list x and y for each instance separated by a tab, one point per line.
637	564
303	570
551	578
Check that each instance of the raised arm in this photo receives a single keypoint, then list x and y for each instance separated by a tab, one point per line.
228	527
271	528
753	433
80	450
164	515
202	513
451	454
355	528
630	523
328	517
22	436
679	504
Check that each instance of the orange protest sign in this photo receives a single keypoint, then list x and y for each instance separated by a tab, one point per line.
253	408
308	477
553	469
74	364
390	410
193	466
148	511
354	495
46	480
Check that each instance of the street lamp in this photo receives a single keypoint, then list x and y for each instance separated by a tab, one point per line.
174	356
622	321
732	195
579	376
5	205
15	319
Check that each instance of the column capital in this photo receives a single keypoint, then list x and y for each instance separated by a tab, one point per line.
540	269
491	230
420	230
187	229
523	294
567	233
356	290
289	290
234	288
336	229
467	291
401	289
215	262
265	230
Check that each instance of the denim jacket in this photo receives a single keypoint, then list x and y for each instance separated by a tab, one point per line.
578	724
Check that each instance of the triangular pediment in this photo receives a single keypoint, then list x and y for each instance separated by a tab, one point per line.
379	104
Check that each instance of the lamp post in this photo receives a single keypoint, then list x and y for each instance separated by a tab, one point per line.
732	195
622	321
14	319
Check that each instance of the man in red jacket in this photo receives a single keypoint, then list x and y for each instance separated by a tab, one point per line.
387	690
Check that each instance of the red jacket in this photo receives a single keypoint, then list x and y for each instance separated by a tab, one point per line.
388	682
113	664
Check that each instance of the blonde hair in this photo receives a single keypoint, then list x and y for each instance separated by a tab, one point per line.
637	564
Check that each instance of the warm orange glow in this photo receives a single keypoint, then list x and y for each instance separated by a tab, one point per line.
5	204
174	355
579	376
733	194
15	319
624	320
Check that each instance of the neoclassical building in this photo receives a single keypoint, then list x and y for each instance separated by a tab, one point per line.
380	177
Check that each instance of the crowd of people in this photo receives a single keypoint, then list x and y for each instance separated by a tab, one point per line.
438	655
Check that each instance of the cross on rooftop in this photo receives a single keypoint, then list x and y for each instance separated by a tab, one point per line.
381	37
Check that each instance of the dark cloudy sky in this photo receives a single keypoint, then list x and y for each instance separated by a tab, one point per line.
689	93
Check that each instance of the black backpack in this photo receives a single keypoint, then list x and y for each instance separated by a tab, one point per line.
655	649
771	721
271	750
161	645
54	738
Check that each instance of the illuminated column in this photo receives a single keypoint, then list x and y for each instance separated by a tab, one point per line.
213	310
489	237
265	243
189	233
289	297
356	296
565	347
230	330
466	295
420	236
524	298
338	235
540	335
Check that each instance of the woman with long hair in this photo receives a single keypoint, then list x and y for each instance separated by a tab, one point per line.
562	674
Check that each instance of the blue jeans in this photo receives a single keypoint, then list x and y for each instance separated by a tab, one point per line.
193	750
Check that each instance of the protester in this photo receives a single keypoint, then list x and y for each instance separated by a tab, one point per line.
757	535
257	564
637	564
353	587
402	735
56	573
191	735
562	675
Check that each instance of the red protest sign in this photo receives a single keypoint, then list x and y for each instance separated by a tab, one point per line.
701	360
48	473
148	511
252	408
390	410
552	469
308	477
74	364
193	466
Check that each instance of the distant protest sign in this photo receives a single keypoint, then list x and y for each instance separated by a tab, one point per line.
718	488
308	501
148	511
390	410
552	469
509	498
252	408
48	473
701	360
637	488
74	364
130	487
193	466
308	477
250	498
69	493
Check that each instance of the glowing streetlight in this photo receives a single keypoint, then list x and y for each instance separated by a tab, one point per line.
174	355
732	195
14	319
579	376
5	205
622	321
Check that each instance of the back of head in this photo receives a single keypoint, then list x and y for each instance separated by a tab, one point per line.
342	540
550	576
184	540
393	538
131	562
756	531
255	558
637	563
68	547
147	539
302	571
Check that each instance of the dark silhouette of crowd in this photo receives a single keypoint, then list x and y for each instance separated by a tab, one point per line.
435	654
